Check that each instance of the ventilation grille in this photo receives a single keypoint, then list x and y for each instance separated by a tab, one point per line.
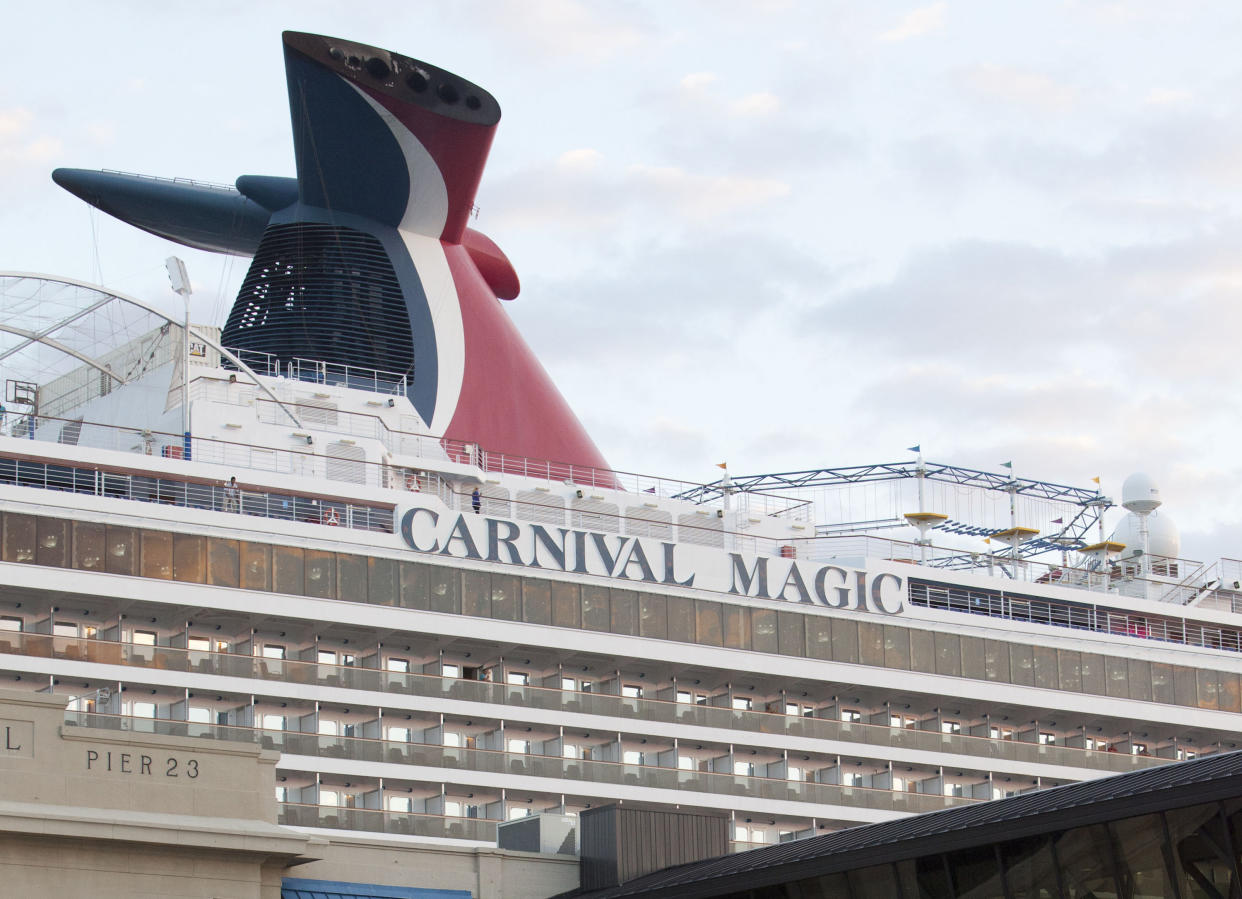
317	412
325	293
536	505
347	463
641	521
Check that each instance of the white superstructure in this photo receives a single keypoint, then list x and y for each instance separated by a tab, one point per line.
439	637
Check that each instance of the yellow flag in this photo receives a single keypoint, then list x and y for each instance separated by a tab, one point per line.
1096	480
987	539
722	464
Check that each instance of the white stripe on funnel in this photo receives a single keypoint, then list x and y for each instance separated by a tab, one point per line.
427	253
420	229
427	209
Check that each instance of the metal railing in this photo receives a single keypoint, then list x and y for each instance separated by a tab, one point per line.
378	821
314	371
1076	615
465	452
212	185
1116	577
193	495
508	696
495	761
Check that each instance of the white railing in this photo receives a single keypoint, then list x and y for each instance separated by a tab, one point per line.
314	371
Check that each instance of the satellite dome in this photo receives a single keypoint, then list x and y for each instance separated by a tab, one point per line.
1163	538
1140	494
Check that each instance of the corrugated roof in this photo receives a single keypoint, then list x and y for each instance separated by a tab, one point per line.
1104	799
302	888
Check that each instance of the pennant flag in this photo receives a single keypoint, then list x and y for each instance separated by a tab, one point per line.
1057	521
915	449
1096	480
649	490
987	539
1008	465
722	464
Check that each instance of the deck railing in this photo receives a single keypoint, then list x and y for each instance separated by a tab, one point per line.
506	696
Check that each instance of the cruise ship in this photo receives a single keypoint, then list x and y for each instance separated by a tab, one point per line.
356	523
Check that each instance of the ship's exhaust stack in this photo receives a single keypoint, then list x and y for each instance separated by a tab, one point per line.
365	258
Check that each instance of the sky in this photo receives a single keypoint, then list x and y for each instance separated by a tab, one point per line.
783	235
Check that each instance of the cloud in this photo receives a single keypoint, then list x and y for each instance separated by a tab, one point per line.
1168	97
582	160
918	23
582	190
760	103
718	289
102	132
1017	87
594	32
700	197
708	121
20	145
1016	306
13	122
1073	364
696	82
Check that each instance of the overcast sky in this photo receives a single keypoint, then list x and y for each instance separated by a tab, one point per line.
783	235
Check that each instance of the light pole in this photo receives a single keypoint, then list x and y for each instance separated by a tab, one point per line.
180	282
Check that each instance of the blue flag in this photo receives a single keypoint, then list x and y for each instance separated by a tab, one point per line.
915	449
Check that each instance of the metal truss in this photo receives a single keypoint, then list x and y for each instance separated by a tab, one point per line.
1090	504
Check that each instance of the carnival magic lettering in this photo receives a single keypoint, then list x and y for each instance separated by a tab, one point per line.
652	562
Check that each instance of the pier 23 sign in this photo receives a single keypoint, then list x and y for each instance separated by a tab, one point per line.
648	561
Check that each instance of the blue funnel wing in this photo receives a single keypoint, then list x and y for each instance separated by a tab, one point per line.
206	217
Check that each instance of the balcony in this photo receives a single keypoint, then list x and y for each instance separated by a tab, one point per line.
508	696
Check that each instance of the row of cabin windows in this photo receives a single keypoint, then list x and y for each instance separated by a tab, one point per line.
328	727
518	678
760	627
143	637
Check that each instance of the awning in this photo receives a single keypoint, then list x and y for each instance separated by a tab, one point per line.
301	888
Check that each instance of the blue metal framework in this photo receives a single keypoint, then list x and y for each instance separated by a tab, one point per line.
1087	505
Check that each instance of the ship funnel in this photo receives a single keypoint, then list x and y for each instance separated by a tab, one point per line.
365	260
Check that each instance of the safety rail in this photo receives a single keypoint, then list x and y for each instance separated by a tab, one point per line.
320	468
314	371
108	481
1226	593
506	696
466	452
1077	616
212	185
503	762
220	497
416	824
1115	577
231	454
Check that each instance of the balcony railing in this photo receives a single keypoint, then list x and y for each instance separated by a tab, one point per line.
508	696
376	821
193	494
361	749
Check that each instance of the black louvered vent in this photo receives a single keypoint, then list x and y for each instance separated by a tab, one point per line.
324	293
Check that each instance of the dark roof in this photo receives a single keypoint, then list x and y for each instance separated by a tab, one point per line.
1171	786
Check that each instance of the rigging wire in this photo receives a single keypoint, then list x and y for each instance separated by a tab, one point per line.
98	266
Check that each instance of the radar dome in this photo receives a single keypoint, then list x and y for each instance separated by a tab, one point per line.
1163	538
1139	493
